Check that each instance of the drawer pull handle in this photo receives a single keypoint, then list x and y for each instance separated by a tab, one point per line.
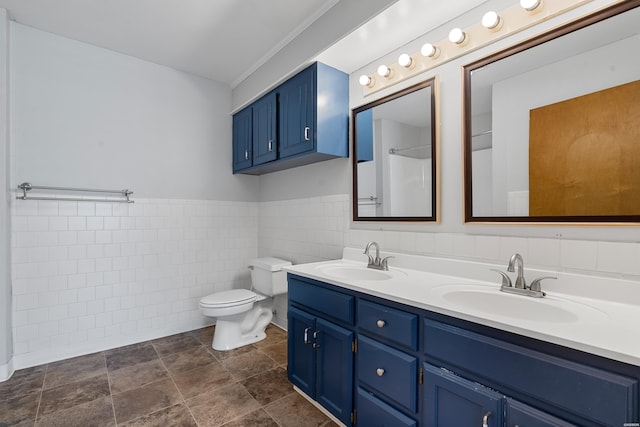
380	372
306	336
485	419
270	145
381	323
246	154
306	133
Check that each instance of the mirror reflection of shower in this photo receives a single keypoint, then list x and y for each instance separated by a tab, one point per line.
394	153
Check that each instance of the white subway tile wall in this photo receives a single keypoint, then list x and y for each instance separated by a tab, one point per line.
85	273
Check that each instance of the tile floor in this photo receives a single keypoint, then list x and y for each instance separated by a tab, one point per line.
174	381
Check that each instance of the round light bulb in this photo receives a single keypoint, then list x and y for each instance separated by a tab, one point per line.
365	80
530	5
405	60
429	50
457	36
491	20
384	71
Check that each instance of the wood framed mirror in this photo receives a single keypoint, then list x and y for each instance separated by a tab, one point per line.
552	125
395	156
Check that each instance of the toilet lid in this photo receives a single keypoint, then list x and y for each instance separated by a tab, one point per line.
229	298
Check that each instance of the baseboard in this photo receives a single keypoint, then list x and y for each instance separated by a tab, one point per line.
6	370
27	360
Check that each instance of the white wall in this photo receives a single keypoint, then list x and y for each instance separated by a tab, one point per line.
106	120
6	347
88	276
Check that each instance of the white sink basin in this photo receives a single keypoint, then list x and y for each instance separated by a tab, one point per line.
353	272
492	301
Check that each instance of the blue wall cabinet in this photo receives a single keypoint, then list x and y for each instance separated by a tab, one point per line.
453	401
312	111
265	136
242	140
320	352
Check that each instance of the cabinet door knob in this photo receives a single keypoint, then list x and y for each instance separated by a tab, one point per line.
381	323
306	133
380	372
485	419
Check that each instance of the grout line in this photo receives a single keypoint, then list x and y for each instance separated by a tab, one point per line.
44	378
113	406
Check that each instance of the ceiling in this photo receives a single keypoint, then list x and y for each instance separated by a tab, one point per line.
226	40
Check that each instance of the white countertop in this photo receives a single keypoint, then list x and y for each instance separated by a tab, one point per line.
608	308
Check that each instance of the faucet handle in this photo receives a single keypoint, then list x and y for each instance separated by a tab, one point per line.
385	262
535	285
506	280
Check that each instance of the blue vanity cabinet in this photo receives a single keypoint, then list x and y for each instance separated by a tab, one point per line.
242	140
314	115
320	350
518	414
449	400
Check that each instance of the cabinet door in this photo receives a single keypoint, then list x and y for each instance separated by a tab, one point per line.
264	129
521	415
334	388
242	140
301	357
297	114
453	401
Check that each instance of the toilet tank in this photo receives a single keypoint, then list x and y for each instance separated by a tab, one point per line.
267	276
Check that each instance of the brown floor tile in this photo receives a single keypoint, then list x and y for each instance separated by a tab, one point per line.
248	364
135	376
295	411
188	359
274	335
228	354
278	352
96	413
73	394
268	386
201	379
22	382
175	344
19	410
204	335
222	405
257	418
75	369
130	355
174	416
145	400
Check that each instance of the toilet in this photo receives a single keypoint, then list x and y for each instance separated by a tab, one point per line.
243	315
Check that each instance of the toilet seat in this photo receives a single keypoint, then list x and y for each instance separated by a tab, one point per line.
231	298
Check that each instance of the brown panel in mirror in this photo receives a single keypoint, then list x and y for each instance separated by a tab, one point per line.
503	91
395	156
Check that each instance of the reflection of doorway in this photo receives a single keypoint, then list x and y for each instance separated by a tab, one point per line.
584	154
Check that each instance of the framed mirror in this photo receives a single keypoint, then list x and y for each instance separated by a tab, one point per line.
552	125
395	156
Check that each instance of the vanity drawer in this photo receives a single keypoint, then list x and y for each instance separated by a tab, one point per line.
596	395
331	304
374	412
395	325
388	372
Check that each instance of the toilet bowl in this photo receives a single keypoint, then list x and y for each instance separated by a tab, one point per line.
242	315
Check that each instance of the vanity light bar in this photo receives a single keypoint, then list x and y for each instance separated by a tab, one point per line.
493	27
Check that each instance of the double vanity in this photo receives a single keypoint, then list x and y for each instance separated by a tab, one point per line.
434	342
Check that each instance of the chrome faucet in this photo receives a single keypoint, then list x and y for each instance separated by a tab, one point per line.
516	260
377	263
517	264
